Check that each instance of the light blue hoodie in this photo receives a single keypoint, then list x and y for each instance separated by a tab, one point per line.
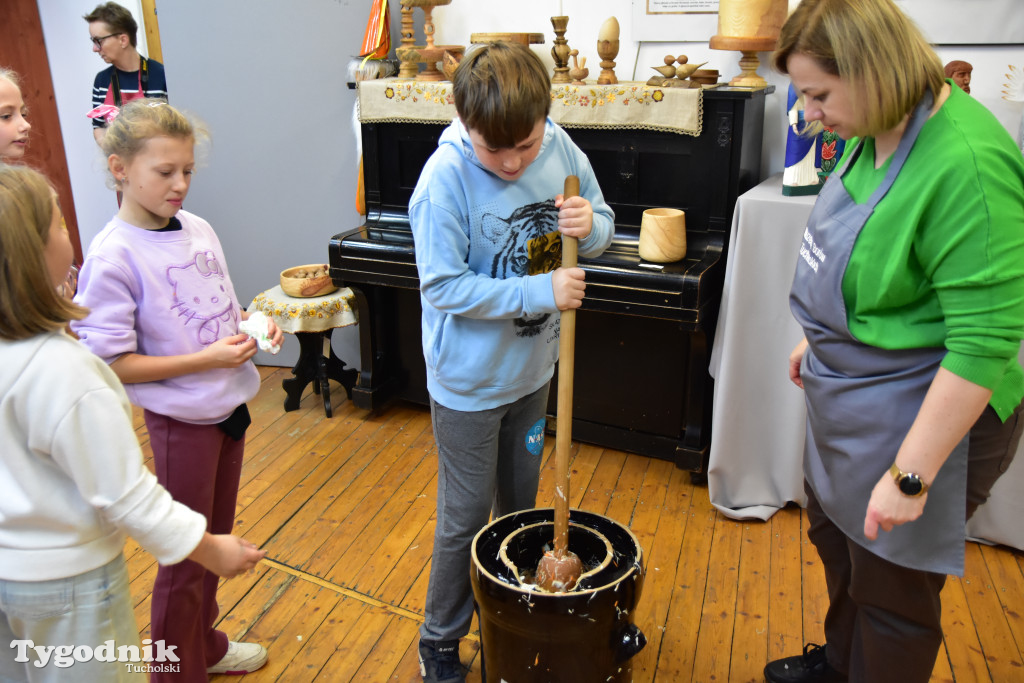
490	331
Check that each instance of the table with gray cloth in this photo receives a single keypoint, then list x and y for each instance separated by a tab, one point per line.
756	459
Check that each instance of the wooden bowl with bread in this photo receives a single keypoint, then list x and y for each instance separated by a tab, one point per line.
307	281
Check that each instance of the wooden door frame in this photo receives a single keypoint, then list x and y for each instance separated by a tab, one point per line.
23	49
152	28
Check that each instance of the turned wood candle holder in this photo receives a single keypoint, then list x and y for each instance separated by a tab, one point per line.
560	52
608	50
407	69
749	26
412	56
749	59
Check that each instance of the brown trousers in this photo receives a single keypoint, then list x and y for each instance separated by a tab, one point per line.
884	621
200	466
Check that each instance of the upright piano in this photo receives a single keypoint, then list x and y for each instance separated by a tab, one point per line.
643	333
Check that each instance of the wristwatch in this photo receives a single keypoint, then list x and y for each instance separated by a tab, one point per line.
908	483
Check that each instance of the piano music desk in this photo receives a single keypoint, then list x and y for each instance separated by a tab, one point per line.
311	320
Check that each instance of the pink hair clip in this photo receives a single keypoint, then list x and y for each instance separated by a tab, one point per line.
107	112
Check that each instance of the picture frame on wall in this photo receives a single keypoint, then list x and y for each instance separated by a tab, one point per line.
674	21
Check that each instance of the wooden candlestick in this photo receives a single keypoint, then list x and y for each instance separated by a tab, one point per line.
411	55
749	26
749	59
407	68
428	24
608	50
560	52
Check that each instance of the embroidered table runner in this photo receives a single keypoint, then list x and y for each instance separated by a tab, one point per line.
631	105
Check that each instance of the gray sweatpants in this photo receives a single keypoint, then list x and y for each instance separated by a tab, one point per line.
486	460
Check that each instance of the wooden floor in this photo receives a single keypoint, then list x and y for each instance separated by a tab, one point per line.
345	507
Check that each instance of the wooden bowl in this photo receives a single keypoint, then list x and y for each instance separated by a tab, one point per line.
307	281
705	76
521	38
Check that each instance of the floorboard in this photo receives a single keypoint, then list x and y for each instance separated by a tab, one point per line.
345	508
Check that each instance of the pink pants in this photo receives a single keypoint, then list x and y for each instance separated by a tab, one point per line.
200	465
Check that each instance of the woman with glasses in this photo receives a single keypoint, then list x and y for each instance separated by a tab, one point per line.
112	30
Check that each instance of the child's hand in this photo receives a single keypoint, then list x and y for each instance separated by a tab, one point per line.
230	352
575	216
568	285
275	333
226	555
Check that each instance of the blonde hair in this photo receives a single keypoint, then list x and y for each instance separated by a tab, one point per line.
10	75
873	47
143	119
501	90
29	302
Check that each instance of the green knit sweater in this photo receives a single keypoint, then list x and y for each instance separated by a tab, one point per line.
941	260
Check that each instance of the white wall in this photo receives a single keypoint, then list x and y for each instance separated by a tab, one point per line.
990	69
635	61
73	66
269	79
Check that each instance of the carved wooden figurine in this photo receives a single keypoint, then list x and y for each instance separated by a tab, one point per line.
960	72
675	76
579	71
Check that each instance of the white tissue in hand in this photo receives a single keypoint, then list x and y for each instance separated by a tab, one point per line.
258	327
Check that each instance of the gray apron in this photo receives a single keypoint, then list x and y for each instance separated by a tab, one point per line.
861	400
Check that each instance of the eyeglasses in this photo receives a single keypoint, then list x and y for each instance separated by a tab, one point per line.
98	40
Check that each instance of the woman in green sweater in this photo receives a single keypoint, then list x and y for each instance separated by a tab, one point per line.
910	290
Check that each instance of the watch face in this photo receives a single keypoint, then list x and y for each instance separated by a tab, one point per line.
910	484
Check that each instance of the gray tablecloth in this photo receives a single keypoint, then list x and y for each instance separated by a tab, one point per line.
758	419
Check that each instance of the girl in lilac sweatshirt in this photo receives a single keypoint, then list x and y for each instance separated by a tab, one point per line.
165	317
72	481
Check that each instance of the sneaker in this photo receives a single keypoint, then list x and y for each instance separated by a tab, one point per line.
241	658
439	661
810	667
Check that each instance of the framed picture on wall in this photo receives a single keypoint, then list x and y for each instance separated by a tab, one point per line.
674	21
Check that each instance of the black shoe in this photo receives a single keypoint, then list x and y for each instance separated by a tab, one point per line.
439	661
810	667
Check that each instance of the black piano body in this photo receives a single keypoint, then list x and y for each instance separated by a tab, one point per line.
643	335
